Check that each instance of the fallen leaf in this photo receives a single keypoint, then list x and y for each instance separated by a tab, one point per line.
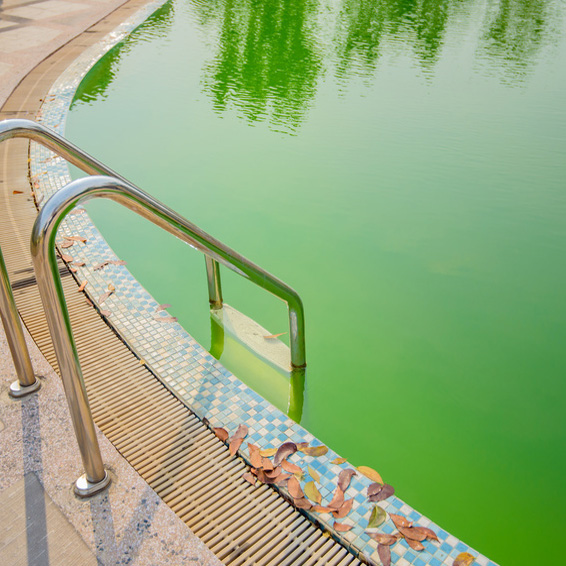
290	467
463	559
105	313
76	239
221	433
162	307
386	491
384	553
249	477
342	528
273	474
430	534
166	318
313	474
400	521
382	538
83	285
142	362
17	192
374	489
301	445
345	478
241	432
282	478
268	452
284	451
314	451
294	488
78	263
100	266
88	302
337	500
274	335
67	244
117	262
312	493
414	533
111	288
66	258
339	460
255	458
320	509
377	517
416	545
235	443
261	476
344	510
77	211
104	296
73	269
302	503
266	464
370	473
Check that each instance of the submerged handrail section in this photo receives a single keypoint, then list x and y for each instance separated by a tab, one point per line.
118	189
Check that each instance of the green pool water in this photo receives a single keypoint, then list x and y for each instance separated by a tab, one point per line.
402	165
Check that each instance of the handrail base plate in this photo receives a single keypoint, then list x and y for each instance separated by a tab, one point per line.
17	390
85	488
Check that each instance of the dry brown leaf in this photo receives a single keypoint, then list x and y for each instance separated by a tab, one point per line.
301	445
100	266
105	313
249	477
302	503
382	494
268	452
284	451
17	192
67	258
266	464
463	559
339	460
76	239
255	458
312	493
167	318
73	269
370	473
111	288
337	500
344	510
117	262
342	528
242	432
78	263
273	475
282	478
294	488
430	534
290	467
320	509
88	302
384	553
345	478
221	433
313	474
235	443
260	476
315	451
384	539
414	533
400	521
274	335
162	307
414	544
104	296
67	244
83	285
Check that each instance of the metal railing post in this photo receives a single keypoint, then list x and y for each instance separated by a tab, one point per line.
214	285
27	382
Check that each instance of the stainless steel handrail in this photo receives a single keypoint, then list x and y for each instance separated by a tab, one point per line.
49	282
215	251
27	382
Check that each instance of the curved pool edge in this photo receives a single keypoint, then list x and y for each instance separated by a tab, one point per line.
189	371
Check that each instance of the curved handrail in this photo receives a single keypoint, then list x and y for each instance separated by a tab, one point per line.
215	250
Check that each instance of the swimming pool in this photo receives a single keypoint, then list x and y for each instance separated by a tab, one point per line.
402	167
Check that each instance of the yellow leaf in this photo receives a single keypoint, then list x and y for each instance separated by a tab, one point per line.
313	474
312	493
268	452
370	473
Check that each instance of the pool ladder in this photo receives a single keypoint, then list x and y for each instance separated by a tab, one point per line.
105	183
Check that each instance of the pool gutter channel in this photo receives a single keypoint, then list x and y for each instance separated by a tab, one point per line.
198	382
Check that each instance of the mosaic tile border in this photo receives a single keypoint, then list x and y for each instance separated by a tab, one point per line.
208	388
